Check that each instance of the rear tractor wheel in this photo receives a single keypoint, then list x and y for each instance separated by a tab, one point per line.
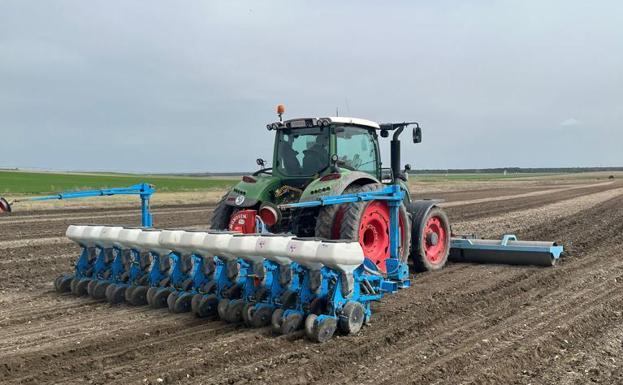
431	239
368	222
330	217
222	214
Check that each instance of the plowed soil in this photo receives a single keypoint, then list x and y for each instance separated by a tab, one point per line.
468	324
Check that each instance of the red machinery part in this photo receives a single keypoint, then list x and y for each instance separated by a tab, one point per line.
374	233
270	214
435	240
243	221
5	207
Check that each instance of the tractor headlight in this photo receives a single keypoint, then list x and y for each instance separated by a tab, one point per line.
323	122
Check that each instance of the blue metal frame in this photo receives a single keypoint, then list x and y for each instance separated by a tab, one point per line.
394	195
144	190
332	281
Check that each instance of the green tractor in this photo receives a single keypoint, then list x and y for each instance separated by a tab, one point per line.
315	157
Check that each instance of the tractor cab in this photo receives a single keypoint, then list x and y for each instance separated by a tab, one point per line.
307	148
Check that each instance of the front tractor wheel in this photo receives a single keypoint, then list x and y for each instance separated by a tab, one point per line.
431	239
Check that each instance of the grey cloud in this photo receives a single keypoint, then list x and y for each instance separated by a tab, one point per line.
158	86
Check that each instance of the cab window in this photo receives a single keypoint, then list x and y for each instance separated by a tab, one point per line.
356	149
302	151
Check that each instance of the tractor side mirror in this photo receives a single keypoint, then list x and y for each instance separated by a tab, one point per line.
407	167
417	134
260	162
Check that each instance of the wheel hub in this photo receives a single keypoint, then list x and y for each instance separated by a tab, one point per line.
374	233
432	239
435	240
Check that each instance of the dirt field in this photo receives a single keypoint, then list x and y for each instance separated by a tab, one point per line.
468	324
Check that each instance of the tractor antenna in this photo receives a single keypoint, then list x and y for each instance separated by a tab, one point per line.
337	112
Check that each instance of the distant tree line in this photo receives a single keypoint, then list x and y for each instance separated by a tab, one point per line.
497	170
514	170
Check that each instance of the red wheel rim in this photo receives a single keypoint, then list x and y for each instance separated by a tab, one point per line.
374	233
434	240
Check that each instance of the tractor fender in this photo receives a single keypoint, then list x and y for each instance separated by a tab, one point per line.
319	188
245	194
418	209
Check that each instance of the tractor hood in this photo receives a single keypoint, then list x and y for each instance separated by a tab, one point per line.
335	184
252	190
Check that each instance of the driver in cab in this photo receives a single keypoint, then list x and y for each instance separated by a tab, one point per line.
316	156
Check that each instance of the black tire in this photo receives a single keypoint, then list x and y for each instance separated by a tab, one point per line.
221	309
137	296
159	299
292	323
309	325
194	303
91	287
418	253
323	331
64	284
207	306
222	214
109	292
351	221
234	311
276	320
182	304
128	294
261	317
81	286
352	317
247	313
118	294
171	300
99	291
327	216
57	282
72	285
150	294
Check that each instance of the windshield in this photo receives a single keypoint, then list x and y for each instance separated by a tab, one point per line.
302	151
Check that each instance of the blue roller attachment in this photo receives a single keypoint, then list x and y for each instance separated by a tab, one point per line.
507	251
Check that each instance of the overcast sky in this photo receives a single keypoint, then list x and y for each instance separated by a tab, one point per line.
166	86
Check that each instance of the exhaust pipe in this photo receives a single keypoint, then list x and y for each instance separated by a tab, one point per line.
395	154
507	251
